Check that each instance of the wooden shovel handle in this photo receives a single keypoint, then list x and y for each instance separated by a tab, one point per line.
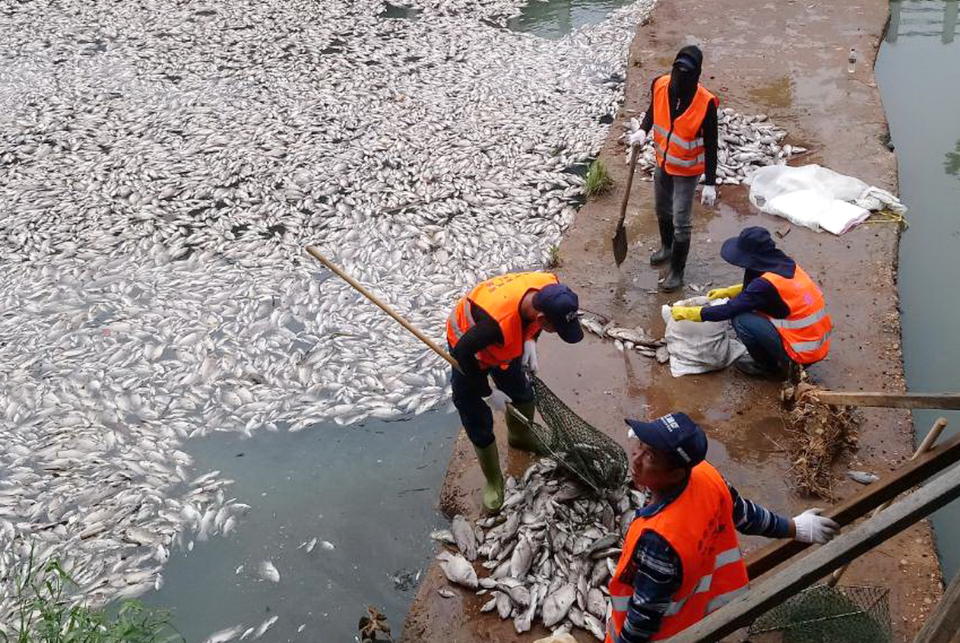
634	149
387	309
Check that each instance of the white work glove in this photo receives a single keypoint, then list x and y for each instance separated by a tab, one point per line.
497	400
637	138
709	196
811	527
529	359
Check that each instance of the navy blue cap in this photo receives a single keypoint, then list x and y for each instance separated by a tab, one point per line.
754	249
674	434
560	306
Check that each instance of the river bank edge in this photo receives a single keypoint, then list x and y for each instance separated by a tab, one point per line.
794	69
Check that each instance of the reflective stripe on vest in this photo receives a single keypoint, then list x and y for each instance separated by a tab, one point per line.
682	142
455	323
805	332
723	558
723	599
802	322
677	141
500	298
699	521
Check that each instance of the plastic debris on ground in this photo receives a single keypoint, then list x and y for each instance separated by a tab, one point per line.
818	198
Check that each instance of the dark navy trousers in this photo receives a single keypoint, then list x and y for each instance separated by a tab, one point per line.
468	393
762	340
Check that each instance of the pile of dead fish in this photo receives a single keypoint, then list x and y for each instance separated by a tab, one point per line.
744	143
547	555
626	338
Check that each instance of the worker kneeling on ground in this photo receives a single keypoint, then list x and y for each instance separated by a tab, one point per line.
778	311
493	331
681	558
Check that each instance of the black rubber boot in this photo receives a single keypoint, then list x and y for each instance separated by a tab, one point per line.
666	242
678	261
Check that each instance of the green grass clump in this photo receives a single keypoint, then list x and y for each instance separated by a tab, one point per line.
553	257
597	180
47	613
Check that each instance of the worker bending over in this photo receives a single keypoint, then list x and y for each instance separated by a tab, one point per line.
778	311
493	331
681	557
683	117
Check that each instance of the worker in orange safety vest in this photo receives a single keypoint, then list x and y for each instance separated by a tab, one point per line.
493	331
778	311
682	119
681	557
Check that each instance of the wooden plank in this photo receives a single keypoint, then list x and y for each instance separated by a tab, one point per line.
908	475
890	400
943	625
925	445
759	599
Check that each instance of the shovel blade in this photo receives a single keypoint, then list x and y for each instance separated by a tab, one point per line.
620	245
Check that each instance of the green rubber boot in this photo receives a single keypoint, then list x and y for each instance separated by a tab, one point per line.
519	435
490	465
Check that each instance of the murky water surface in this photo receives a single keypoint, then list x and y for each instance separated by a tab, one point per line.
369	491
919	75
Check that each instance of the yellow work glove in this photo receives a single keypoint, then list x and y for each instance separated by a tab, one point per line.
686	313
729	292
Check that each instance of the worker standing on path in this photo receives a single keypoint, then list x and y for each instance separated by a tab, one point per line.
681	557
683	117
778	311
493	331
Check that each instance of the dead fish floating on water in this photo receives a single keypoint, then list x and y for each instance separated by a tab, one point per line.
268	571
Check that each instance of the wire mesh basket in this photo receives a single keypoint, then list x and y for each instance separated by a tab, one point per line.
586	453
823	614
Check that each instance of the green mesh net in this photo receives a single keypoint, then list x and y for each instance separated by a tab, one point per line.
822	614
585	453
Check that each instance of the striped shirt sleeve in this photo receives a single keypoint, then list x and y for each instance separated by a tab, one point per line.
756	520
658	576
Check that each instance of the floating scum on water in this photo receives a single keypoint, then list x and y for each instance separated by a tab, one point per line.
165	163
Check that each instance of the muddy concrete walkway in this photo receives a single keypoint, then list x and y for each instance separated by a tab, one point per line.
788	60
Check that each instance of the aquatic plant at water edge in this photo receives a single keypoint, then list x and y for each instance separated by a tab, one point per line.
597	180
47	612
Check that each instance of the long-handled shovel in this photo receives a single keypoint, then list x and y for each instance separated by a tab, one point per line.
313	252
620	238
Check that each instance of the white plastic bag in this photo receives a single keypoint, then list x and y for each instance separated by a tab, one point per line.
700	347
817	197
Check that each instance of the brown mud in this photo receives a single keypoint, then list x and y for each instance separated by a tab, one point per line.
788	60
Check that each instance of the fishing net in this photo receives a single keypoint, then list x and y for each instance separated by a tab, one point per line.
585	453
822	614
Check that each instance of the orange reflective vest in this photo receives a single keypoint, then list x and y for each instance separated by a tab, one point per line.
698	524
678	143
500	297
806	330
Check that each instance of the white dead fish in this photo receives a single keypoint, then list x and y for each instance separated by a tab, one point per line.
266	625
557	604
863	477
464	536
458	570
268	571
224	635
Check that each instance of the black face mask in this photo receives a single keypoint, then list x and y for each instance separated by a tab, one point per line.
683	85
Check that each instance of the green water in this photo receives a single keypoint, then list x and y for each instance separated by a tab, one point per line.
370	490
918	71
557	18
